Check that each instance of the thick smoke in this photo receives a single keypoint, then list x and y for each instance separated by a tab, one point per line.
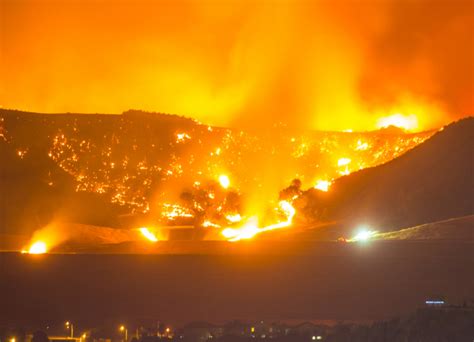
321	64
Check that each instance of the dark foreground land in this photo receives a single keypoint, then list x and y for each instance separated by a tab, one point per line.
325	281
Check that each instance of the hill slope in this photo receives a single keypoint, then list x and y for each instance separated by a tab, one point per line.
460	228
121	170
431	182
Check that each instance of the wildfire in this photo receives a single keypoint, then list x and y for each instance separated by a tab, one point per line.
148	234
361	146
21	153
322	185
247	231
38	247
343	161
224	181
181	137
250	228
234	218
208	223
407	122
345	172
174	211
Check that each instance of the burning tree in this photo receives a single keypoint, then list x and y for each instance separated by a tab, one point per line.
212	204
292	192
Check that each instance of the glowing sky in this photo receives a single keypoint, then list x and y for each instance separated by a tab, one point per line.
318	64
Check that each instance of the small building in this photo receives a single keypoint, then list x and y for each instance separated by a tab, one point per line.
435	301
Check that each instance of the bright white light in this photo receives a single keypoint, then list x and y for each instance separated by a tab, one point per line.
38	248
224	181
364	235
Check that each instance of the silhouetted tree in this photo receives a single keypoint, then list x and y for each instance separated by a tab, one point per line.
293	190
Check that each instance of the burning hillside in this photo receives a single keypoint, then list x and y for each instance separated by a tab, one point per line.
164	170
432	182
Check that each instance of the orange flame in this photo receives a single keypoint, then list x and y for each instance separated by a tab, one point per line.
322	185
148	234
39	247
250	228
407	122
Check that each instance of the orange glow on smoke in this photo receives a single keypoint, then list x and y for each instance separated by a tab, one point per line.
47	238
230	62
406	122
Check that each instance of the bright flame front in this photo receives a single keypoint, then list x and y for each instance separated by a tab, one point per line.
38	247
406	122
251	228
322	185
148	234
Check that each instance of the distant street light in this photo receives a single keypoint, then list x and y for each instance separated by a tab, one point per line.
70	326
125	332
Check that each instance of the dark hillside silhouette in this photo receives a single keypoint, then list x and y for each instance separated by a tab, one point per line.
432	182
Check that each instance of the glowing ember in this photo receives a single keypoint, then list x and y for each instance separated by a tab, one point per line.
174	211
38	247
322	185
407	122
343	161
148	234
210	224
250	228
234	218
361	146
21	153
181	137
224	181
345	172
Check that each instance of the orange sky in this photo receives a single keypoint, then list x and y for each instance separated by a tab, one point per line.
314	64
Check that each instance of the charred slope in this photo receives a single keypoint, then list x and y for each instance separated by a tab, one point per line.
34	191
432	182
